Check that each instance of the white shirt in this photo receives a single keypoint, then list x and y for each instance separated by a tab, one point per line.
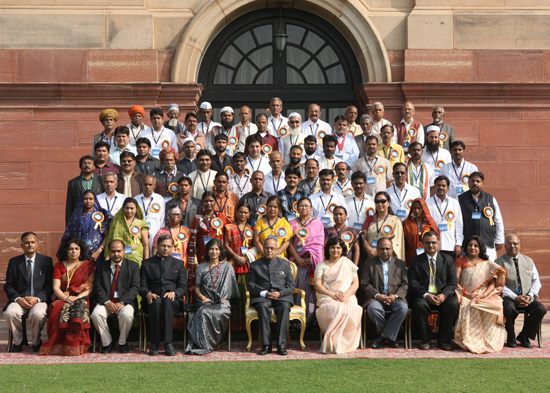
154	218
325	163
158	138
455	173
274	124
535	285
419	132
245	132
202	181
261	164
205	129
271	185
349	152
431	159
452	234
343	188
316	156
377	126
321	202
233	132
135	132
112	205
414	180
286	143
312	128
357	210
400	198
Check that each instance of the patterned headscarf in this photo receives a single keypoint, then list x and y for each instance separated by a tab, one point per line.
169	150
108	113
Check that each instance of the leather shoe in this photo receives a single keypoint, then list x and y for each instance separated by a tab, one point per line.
154	350
524	341
281	351
265	350
170	350
36	347
107	348
511	343
445	346
378	342
16	348
393	344
424	346
124	348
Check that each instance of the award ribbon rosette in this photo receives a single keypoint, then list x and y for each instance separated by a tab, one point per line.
229	171
450	216
199	146
439	164
347	237
262	209
98	218
409	203
394	153
281	232
135	230
380	170
283	131
302	234
180	237
248	234
155	207
464	180
411	133
321	134
247	171
348	191
331	207
295	206
165	144
217	224
387	230
442	138
233	141
489	213
267	149
174	189
370	211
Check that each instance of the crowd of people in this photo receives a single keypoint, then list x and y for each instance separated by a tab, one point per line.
371	215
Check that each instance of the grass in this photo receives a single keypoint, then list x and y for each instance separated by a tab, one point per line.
339	375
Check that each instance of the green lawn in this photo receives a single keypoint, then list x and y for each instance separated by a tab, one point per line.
357	375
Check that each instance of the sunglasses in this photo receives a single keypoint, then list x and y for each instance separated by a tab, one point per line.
380	201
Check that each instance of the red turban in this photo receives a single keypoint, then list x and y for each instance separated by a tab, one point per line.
136	109
169	150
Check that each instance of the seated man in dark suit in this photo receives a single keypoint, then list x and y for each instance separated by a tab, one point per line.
432	283
163	285
384	282
521	293
116	285
29	290
271	284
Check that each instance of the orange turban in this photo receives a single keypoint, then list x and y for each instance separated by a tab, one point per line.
169	150
136	109
108	113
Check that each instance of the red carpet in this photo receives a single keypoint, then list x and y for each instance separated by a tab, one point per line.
239	353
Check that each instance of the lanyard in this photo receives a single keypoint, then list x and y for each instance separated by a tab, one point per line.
146	210
242	232
436	157
275	187
342	187
140	128
419	230
458	177
444	211
252	166
296	140
160	135
115	279
378	229
414	171
387	155
398	198
207	128
314	133
219	207
371	169
341	146
199	175
238	182
110	208
323	203
142	166
360	208
276	128
311	189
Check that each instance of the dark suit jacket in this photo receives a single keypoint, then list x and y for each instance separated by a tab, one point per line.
135	180
270	276
127	285
219	166
16	278
445	275
161	277
372	279
193	206
75	191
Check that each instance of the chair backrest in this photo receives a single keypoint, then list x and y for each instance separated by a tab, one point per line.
294	269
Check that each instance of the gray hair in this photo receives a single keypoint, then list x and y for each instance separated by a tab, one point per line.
439	106
509	236
111	174
366	116
275	98
377	103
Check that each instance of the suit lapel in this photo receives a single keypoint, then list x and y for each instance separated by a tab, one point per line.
380	271
391	272
107	276
426	265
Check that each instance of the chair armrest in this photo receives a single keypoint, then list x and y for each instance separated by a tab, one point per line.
247	305
302	296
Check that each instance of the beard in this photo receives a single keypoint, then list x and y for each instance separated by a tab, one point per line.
294	131
227	124
432	147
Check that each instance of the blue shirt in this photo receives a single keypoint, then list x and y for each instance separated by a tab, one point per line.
349	152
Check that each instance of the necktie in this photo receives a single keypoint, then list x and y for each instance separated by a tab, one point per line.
114	285
28	292
519	289
432	271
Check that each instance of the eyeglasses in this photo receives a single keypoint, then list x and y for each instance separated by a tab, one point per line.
398	173
380	201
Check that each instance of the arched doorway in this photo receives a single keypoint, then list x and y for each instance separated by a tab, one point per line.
242	65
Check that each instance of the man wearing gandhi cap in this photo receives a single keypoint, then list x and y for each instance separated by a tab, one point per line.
205	113
136	125
108	118
173	123
434	156
227	128
291	136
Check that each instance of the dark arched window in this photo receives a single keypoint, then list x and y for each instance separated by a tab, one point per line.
242	65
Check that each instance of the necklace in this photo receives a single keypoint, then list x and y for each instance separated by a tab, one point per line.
214	281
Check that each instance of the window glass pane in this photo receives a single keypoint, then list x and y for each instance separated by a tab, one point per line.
313	73
266	77
231	56
333	112
245	42
327	56
293	77
262	57
223	75
295	34
313	42
245	74
336	75
264	34
296	56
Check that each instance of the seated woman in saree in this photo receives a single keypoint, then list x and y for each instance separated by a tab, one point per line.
347	234
306	249
271	224
90	223
178	232
69	313
418	223
238	241
215	287
480	324
338	313
129	226
383	223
